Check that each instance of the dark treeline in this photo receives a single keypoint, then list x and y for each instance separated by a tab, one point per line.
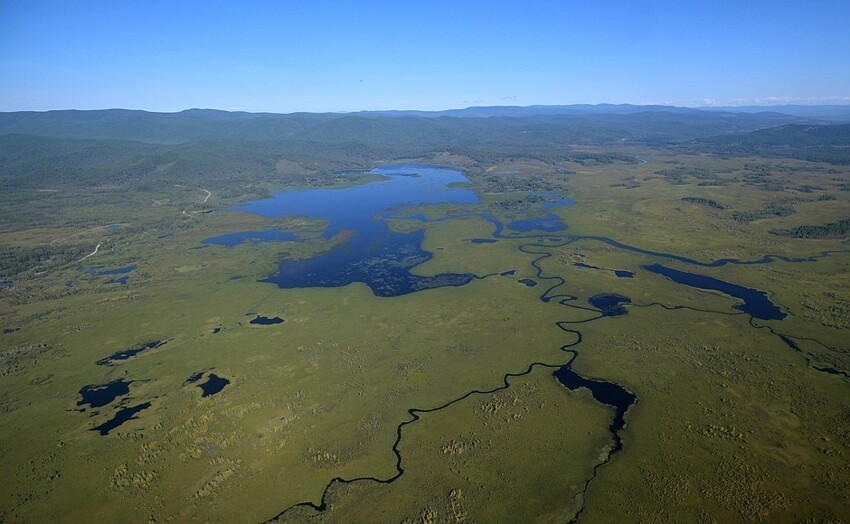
705	202
16	259
816	143
838	229
769	210
682	174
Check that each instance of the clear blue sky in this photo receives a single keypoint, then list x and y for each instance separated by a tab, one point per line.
285	56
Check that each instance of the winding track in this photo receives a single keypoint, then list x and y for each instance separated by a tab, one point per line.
90	254
191	215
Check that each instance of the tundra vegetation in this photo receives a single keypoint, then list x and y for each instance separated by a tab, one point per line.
137	384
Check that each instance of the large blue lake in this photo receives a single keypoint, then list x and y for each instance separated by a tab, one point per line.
372	253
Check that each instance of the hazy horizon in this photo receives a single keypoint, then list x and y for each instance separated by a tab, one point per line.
447	109
337	57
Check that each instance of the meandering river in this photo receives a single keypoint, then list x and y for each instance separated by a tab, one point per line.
367	250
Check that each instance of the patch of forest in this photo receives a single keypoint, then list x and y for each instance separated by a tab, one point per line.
705	202
815	143
837	229
769	210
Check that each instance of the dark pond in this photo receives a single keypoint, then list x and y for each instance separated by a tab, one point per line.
586	266
122	416
372	253
266	321
755	302
254	237
550	199
609	304
129	353
120	280
8	331
604	392
216	330
483	240
528	282
557	202
507	273
194	377
97	396
117	271
549	224
621	273
213	385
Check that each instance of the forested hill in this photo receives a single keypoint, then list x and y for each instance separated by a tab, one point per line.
789	135
167	128
550	125
820	143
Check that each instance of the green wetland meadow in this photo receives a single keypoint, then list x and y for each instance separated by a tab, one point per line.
370	318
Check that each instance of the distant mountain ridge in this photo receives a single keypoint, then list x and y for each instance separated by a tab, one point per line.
832	113
125	124
589	124
534	110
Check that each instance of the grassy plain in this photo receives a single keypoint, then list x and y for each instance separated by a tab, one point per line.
730	423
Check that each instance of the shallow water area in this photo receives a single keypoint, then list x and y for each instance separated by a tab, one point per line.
253	237
98	272
609	304
123	415
266	321
549	224
213	385
605	392
130	353
755	302
99	395
374	255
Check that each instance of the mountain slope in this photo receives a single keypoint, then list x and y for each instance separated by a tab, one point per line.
822	143
572	124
